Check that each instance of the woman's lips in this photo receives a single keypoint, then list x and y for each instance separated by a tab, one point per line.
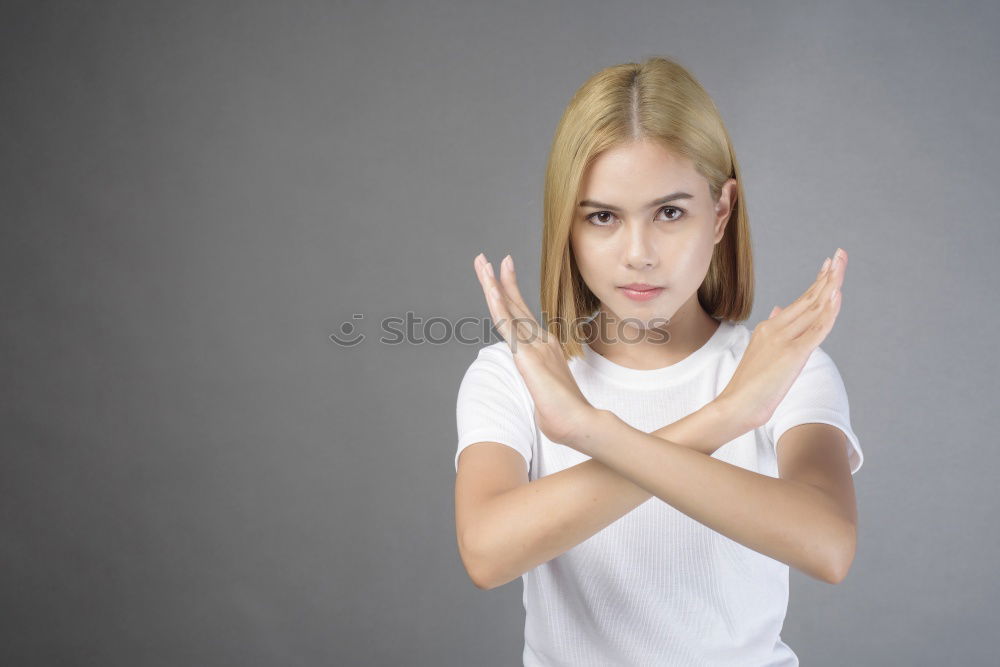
641	295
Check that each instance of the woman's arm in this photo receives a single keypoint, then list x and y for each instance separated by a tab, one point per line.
786	519
790	521
517	530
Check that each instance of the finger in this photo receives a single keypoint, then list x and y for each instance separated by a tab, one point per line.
818	309
792	310
498	311
842	272
484	271
817	331
502	320
509	284
482	275
835	275
523	324
513	328
831	274
508	279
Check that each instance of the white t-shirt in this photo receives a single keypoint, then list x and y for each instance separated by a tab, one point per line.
655	586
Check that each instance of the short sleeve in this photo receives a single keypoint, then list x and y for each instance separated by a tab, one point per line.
818	395
494	404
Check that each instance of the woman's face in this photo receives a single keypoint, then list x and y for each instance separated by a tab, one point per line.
646	216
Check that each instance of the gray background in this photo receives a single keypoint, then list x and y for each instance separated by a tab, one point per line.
195	195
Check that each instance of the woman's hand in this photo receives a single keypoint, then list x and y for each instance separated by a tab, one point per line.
781	345
561	410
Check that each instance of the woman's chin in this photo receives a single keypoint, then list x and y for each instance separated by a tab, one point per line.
647	312
653	314
646	318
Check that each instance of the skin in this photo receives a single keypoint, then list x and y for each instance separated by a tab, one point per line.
667	245
805	518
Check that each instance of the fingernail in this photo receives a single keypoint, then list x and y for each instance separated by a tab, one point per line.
489	268
826	263
510	262
834	293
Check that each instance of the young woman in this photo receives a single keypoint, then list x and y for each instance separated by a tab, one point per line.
648	465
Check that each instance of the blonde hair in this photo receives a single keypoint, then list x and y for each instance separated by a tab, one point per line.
660	100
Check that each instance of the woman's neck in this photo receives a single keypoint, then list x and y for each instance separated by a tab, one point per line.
687	331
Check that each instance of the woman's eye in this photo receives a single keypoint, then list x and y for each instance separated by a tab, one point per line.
602	223
679	212
600	219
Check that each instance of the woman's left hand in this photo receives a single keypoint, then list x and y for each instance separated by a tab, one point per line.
781	345
561	410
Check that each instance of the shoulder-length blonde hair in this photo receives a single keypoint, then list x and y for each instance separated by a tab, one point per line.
660	100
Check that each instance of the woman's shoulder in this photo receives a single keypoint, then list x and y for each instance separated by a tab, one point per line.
738	334
496	353
493	370
496	359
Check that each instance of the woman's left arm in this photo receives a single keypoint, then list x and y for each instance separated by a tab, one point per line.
805	519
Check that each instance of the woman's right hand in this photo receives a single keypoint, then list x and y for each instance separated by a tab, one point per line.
780	346
561	409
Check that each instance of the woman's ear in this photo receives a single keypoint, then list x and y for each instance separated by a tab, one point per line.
724	208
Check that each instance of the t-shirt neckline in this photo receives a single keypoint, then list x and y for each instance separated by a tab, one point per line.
667	374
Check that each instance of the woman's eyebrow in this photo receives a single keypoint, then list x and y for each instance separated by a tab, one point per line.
656	202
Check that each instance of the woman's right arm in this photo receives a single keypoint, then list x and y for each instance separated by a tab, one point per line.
507	525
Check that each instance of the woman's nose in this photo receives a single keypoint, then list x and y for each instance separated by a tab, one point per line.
639	252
